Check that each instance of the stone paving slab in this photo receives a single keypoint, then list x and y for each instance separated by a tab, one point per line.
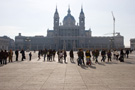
39	75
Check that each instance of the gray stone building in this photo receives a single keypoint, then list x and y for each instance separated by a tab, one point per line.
6	43
69	35
132	43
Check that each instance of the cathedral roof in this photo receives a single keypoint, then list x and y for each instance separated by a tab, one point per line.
69	16
69	19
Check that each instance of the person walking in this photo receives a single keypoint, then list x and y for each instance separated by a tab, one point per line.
109	54
30	55
10	56
23	54
16	54
71	54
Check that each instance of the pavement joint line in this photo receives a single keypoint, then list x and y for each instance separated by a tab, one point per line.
65	77
81	76
48	77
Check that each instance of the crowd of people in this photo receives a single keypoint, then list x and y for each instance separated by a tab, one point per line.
105	54
94	54
49	55
7	56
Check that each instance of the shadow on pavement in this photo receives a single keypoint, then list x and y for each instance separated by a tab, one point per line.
85	67
127	62
93	67
111	62
101	64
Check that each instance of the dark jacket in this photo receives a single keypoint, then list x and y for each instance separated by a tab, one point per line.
71	54
103	53
65	54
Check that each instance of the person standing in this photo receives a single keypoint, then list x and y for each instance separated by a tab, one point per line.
44	52
117	54
109	54
65	55
30	55
121	56
39	54
5	57
54	52
88	56
103	54
1	56
93	54
127	52
10	55
58	53
17	54
96	55
71	56
48	55
23	54
80	57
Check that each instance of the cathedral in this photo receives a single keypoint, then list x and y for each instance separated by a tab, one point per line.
69	35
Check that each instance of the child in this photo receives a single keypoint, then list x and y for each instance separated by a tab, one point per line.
30	55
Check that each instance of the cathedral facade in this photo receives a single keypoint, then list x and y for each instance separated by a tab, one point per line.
69	35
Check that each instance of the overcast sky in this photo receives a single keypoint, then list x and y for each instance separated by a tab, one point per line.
34	17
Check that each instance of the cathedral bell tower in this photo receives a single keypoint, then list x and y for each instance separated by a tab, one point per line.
82	19
56	19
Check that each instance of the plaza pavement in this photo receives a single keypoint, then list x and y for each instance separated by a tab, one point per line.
39	75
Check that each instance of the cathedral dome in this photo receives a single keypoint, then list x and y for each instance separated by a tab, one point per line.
69	16
69	19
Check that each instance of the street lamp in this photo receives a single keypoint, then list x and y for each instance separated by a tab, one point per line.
111	42
28	40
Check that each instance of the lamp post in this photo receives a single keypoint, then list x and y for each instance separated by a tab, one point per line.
28	43
111	43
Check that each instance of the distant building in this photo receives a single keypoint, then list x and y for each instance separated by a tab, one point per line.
69	35
6	43
132	43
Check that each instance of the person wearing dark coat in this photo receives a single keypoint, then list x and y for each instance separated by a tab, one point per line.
65	55
96	55
109	54
5	56
80	57
54	52
71	56
23	54
121	56
103	54
127	52
30	55
17	54
44	52
1	56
